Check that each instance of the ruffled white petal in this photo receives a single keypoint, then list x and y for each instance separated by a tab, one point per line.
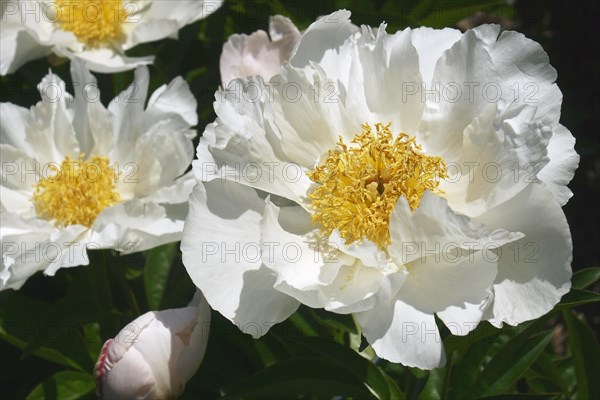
135	226
159	19
535	271
256	54
12	127
108	61
455	286
399	332
17	45
390	64
31	245
435	228
242	145
430	45
559	171
326	34
221	252
449	112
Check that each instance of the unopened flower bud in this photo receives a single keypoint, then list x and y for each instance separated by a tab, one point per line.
155	355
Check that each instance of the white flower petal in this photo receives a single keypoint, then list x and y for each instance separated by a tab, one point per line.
108	61
448	114
127	114
135	226
70	243
174	100
557	174
434	227
87	97
178	192
431	44
17	46
453	286
26	248
296	259
50	130
390	63
19	171
221	244
161	19
535	271
492	167
12	127
526	79
327	33
308	127
246	55
16	201
242	146
401	333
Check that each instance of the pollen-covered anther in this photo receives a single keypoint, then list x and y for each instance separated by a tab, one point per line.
360	183
96	23
76	192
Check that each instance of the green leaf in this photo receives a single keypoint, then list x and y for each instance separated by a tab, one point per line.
435	385
310	376
585	277
24	324
577	297
586	357
364	370
66	317
513	359
156	273
545	366
64	385
523	396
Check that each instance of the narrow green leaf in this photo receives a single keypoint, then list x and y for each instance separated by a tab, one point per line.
435	385
523	396
585	277
64	385
307	375
577	297
40	329
513	359
586	357
545	366
346	358
156	273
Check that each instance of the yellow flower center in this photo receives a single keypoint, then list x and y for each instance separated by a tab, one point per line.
361	183
76	192
96	23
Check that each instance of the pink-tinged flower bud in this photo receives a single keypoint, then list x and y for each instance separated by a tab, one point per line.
155	355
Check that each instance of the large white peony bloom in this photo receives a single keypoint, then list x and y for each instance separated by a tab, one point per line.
77	175
155	355
97	31
391	176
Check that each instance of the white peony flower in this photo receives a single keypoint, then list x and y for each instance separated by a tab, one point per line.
77	175
256	54
392	176
97	31
155	355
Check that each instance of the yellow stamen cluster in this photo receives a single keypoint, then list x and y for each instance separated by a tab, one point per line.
76	192
97	23
361	183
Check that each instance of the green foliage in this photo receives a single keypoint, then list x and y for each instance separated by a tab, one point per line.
53	328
